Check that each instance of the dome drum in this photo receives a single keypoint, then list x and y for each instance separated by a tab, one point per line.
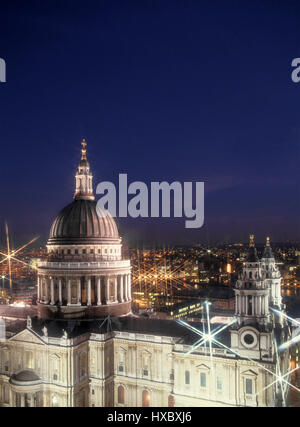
84	312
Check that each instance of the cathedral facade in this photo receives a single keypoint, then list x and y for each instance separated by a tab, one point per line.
86	348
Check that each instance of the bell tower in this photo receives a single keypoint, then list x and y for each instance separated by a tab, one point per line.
252	334
272	276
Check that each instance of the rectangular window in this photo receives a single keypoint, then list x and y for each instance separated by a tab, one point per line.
219	383
6	394
187	377
203	379
248	386
145	372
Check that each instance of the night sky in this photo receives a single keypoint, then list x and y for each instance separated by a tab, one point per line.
163	91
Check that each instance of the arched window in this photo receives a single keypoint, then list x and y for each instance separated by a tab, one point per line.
121	394
6	394
146	398
203	379
187	377
54	401
171	401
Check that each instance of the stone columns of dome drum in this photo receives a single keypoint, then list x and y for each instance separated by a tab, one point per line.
107	293
121	288
47	291
52	302
44	286
116	289
129	286
59	291
78	291
69	291
98	279
41	288
89	291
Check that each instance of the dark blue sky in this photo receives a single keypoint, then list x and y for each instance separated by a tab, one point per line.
161	90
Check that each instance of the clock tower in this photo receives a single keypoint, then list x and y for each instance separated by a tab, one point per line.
252	335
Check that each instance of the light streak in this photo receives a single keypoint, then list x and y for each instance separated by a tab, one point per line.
159	276
283	376
9	256
210	334
281	313
279	378
287	344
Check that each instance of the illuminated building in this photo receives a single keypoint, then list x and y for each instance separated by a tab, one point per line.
84	274
74	355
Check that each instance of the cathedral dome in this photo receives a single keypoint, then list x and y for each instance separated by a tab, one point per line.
85	275
81	222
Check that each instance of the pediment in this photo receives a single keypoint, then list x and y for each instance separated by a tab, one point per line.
27	336
145	352
249	373
55	356
203	367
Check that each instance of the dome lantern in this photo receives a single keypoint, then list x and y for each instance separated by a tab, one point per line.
83	177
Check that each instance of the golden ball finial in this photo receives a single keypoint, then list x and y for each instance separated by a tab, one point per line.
268	241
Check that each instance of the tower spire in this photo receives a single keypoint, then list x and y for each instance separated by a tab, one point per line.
83	149
268	250
83	177
252	253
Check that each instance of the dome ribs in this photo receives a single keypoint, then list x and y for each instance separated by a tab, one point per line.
80	220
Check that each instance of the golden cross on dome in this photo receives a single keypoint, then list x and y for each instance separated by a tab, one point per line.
268	241
83	150
252	240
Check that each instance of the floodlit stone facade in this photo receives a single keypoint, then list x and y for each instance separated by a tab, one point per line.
125	369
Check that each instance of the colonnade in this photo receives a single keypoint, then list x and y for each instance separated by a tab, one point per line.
26	399
84	290
257	307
